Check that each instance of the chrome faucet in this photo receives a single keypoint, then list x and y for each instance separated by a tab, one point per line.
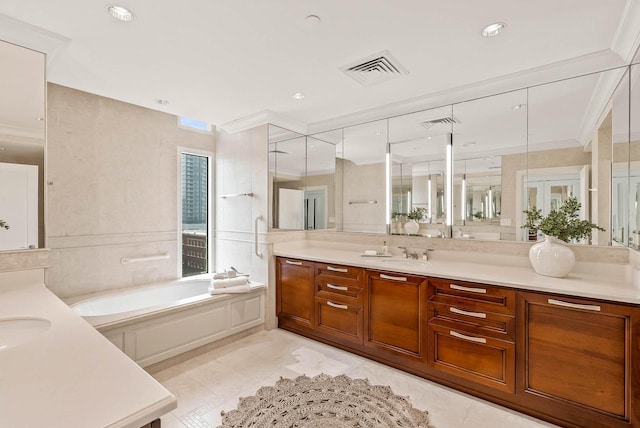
405	253
425	254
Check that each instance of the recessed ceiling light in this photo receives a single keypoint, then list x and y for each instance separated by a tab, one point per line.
298	96
470	143
162	102
493	29
120	13
518	106
39	119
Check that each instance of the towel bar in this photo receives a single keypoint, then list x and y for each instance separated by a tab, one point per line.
127	260
233	195
362	202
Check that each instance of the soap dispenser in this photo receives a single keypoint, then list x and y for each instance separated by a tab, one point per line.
385	249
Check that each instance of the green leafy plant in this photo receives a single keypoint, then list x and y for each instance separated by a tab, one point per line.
417	214
398	216
3	225
562	223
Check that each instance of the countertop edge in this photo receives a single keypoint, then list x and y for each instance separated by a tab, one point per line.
147	414
528	280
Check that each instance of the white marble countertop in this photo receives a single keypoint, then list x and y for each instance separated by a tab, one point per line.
70	375
607	281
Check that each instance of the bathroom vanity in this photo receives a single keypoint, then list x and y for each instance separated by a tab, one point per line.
563	350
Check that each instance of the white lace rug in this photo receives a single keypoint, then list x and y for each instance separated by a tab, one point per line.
325	402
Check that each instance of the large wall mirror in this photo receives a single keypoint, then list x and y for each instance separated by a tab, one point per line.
570	147
418	148
498	155
22	147
302	171
490	144
363	177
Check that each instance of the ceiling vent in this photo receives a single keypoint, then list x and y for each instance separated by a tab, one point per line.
446	120
375	69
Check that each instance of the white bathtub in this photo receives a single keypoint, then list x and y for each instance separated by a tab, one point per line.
129	302
154	322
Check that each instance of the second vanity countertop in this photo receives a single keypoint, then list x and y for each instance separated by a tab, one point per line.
70	375
606	281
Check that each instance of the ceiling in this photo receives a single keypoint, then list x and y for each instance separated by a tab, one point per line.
222	60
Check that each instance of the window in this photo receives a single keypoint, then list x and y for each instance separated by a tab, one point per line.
186	122
195	203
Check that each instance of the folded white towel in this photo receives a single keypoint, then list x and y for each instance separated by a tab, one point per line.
230	290
230	282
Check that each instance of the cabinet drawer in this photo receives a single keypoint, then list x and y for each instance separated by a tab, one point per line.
479	359
500	326
347	287
474	296
339	319
339	271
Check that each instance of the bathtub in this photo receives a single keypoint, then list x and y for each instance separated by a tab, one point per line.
156	321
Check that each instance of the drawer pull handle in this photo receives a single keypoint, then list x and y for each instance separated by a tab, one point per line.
337	287
393	278
335	305
469	289
289	262
470	338
574	305
469	314
335	269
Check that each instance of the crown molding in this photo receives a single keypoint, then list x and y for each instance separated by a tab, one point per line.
261	118
599	105
627	38
31	37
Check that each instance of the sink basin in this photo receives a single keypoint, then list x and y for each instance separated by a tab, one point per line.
405	262
17	331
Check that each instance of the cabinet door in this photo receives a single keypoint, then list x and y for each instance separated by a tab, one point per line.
294	292
575	356
395	317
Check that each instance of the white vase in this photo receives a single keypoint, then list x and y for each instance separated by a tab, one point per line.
411	227
552	257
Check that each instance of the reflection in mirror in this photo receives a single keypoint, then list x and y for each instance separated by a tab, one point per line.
22	141
616	127
490	146
287	168
418	144
625	195
570	146
363	177
319	191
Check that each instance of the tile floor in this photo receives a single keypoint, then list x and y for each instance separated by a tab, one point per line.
212	382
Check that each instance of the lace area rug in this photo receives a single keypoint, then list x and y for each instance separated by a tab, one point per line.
325	402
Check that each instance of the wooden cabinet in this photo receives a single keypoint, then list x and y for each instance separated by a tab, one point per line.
471	330
576	360
395	314
571	361
338	300
294	293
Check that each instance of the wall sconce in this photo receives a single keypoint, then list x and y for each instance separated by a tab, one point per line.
448	194
463	198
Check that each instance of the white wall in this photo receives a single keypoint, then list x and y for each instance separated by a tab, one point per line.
113	192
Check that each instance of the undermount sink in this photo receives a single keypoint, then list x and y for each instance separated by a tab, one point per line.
18	331
405	262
